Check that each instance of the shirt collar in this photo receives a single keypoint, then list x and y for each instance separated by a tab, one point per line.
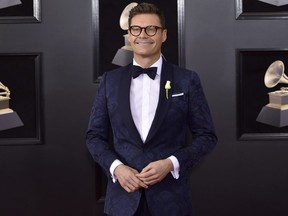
157	64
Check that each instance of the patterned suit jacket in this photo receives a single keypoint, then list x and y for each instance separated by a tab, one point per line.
185	108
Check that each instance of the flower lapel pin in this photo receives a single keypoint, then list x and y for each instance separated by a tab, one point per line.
167	87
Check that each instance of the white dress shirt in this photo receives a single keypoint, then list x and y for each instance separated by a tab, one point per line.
144	96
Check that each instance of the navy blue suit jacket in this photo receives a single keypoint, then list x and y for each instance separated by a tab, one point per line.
167	136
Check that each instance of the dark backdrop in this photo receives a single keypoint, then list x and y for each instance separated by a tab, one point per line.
240	178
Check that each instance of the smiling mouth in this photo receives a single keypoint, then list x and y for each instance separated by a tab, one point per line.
144	42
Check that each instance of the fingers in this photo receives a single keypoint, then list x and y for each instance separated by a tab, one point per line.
129	186
143	184
133	184
127	178
129	183
151	180
148	176
155	172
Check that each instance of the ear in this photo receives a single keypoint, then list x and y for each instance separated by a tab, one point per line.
164	35
128	38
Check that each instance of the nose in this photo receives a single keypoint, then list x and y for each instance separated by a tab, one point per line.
143	34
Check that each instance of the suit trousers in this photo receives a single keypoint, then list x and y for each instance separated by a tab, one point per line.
142	209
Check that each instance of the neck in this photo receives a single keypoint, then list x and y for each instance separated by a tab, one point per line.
146	62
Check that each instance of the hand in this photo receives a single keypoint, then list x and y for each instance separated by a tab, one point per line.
155	171
127	178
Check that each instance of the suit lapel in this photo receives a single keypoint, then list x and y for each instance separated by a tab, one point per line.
124	102
163	104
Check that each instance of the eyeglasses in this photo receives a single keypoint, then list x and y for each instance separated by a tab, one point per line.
149	30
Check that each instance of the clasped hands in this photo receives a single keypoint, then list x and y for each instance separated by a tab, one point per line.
131	180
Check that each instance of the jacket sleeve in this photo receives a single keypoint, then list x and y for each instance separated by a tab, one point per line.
97	135
201	127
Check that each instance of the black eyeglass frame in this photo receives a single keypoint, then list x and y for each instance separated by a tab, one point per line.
145	29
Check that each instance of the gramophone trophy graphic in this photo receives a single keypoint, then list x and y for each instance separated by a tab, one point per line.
275	2
124	55
276	112
9	3
8	118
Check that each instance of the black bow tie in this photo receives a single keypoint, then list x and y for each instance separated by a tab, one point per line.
137	70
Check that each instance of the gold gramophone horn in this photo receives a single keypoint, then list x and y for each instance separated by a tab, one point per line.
275	74
125	15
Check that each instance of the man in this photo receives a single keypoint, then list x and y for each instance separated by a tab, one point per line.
148	163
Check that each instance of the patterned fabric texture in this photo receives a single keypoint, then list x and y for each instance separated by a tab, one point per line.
185	109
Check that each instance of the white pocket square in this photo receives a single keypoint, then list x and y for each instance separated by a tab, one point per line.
177	95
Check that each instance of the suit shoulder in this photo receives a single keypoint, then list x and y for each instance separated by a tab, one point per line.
183	71
116	73
118	70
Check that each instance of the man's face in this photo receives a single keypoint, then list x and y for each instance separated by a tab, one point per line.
145	46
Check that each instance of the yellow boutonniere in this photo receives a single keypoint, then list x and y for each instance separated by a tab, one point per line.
167	87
